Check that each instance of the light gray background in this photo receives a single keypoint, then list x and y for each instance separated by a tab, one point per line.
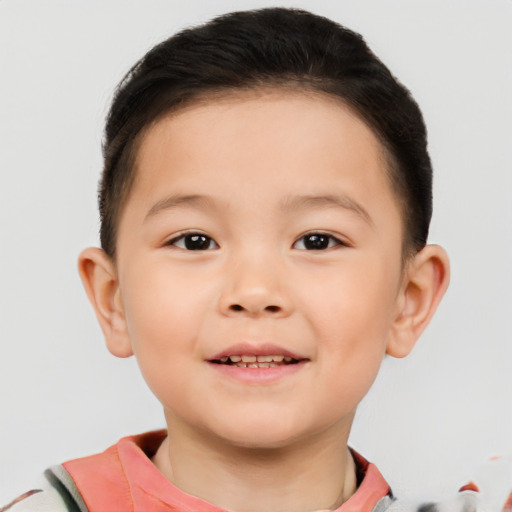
431	418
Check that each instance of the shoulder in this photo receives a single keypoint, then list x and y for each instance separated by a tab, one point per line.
489	489
99	482
463	502
373	493
55	491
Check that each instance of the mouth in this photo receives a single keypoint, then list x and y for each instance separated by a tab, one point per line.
260	361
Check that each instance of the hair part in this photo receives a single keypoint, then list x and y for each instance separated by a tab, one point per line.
261	49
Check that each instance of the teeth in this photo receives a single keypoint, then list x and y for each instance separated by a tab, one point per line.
250	361
256	365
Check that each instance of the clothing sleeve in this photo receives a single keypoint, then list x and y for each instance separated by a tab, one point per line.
55	492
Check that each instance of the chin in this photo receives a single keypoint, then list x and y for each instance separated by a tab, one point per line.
262	435
258	443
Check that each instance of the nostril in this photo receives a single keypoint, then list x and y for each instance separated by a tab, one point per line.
271	309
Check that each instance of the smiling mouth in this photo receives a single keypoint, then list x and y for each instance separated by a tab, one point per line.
250	361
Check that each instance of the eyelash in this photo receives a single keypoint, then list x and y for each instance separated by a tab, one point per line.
332	241
186	239
189	237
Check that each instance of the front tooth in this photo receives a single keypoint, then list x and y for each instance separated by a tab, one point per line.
264	359
252	365
241	365
249	359
235	359
264	365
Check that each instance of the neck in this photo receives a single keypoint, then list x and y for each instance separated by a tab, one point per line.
308	475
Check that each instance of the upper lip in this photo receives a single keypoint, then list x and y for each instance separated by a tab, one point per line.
256	349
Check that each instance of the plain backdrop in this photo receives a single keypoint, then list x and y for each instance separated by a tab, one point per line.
431	418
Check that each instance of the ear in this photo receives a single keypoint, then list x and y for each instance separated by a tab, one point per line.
100	281
425	281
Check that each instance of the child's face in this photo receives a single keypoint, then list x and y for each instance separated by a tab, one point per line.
254	183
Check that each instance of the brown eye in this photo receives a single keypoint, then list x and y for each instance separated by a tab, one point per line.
194	242
316	242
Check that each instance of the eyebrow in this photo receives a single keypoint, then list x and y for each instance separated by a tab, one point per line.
327	201
171	202
291	203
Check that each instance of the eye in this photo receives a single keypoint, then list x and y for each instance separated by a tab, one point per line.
316	242
194	242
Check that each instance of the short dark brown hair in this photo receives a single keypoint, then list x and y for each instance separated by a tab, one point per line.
273	47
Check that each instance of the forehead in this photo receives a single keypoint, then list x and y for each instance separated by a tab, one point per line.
261	145
311	124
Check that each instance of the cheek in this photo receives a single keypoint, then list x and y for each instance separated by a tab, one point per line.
352	320
163	320
159	301
356	302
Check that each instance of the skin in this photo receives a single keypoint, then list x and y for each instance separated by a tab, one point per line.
256	175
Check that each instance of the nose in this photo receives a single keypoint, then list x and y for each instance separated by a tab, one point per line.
255	287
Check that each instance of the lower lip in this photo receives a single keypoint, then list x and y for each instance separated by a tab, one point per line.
258	375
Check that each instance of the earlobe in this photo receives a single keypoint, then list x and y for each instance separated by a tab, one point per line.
100	281
425	282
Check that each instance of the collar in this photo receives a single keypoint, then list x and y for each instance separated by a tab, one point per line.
139	485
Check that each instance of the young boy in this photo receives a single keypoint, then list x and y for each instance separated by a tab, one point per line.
265	205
